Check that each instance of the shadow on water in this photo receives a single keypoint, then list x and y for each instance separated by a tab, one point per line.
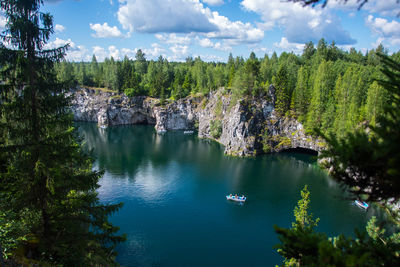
174	187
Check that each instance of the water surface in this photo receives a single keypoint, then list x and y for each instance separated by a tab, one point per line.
175	213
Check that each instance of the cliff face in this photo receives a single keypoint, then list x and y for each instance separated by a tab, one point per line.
251	127
180	115
245	127
107	108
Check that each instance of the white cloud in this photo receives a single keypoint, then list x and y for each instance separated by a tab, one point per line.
241	32
179	16
381	7
172	38
100	53
155	51
183	16
209	58
388	32
105	31
205	42
59	28
384	27
384	8
130	53
378	41
214	2
222	46
285	45
74	53
151	53
179	52
300	24
114	52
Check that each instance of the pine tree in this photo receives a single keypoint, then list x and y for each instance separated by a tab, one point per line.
301	94
46	181
376	100
141	63
322	91
282	103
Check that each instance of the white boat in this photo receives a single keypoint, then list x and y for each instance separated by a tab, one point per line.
236	198
361	204
188	132
103	126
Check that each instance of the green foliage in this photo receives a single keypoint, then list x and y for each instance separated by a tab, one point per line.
50	213
367	161
304	220
302	246
376	101
218	108
322	92
324	88
215	128
284	142
282	91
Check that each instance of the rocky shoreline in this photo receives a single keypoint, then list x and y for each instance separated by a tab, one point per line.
246	127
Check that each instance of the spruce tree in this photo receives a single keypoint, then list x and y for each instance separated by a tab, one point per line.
322	91
282	97
376	100
46	181
301	94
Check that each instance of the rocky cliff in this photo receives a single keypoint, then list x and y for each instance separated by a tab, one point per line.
109	108
249	127
246	127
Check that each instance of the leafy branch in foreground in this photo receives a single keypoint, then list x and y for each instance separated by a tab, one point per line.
302	246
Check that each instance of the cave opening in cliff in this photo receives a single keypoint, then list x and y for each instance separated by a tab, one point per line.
301	150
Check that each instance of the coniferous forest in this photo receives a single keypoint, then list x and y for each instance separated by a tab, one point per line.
50	213
324	87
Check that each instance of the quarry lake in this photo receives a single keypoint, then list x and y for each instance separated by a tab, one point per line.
175	212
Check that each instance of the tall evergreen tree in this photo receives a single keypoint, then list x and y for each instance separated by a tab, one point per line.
376	101
322	91
46	182
282	103
95	71
301	95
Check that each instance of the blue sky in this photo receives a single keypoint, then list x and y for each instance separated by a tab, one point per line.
212	29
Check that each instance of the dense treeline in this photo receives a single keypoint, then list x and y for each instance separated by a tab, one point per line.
325	87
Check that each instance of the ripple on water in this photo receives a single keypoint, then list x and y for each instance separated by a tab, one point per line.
175	212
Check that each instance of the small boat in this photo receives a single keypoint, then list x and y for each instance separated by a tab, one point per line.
361	204
236	198
161	131
188	132
103	126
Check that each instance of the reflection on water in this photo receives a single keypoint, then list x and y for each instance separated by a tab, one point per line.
175	213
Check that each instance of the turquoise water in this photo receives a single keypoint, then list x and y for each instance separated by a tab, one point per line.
175	212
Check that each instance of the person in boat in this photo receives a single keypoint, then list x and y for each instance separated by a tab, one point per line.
230	195
242	196
236	196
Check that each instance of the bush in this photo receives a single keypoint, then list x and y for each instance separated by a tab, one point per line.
131	92
216	128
